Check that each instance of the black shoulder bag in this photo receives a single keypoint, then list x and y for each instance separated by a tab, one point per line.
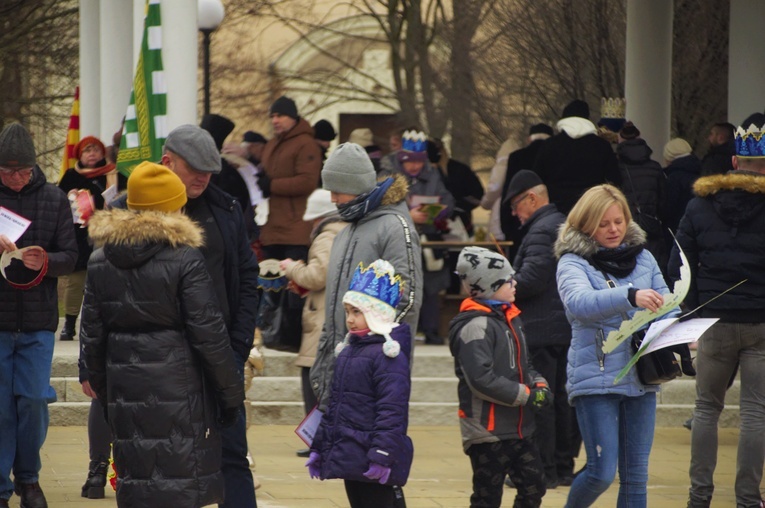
656	367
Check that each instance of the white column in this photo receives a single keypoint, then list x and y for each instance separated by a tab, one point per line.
179	57
648	74
90	69
139	13
116	23
746	60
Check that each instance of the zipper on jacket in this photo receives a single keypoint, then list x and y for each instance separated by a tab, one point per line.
520	374
599	349
204	408
19	302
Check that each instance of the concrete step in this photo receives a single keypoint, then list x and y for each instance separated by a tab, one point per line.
276	396
424	389
429	361
420	413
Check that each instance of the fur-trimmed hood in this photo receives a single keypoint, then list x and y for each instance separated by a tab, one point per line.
397	192
753	183
576	242
131	237
737	196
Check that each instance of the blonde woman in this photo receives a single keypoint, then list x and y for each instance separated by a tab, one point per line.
604	276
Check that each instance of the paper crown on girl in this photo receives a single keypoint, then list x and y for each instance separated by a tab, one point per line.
414	147
749	138
376	291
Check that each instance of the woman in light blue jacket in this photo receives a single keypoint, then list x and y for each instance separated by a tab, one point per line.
598	243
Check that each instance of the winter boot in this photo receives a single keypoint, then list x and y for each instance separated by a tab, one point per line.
94	485
68	331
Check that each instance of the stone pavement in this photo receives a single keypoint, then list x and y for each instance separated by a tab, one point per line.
440	475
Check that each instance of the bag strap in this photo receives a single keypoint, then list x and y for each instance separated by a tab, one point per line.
609	281
410	265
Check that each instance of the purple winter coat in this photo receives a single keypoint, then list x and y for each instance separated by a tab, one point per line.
368	413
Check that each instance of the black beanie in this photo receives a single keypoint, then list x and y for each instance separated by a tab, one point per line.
284	106
629	131
323	131
541	128
578	108
218	126
16	147
254	137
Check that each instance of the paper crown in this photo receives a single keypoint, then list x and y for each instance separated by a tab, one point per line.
611	107
414	141
376	291
612	113
271	277
750	142
378	281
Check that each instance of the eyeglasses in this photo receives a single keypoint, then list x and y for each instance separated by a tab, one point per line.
514	204
15	171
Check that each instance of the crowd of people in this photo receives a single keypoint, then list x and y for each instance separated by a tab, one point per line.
166	269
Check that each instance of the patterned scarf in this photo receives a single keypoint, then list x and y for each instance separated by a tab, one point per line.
363	204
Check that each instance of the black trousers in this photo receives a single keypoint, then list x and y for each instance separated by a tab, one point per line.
373	495
517	458
557	433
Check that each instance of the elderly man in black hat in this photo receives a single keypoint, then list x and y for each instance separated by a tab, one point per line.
43	251
548	332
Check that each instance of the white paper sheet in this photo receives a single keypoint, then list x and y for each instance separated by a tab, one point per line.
668	332
12	224
249	175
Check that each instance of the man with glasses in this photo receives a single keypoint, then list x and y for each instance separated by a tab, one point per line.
190	152
28	312
548	333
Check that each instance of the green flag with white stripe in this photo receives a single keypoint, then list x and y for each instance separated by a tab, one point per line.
146	119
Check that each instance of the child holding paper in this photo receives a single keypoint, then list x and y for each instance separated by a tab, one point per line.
362	437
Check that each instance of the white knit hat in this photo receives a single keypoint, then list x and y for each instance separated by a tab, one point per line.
319	205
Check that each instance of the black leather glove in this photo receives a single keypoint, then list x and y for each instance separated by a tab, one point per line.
228	416
540	396
264	182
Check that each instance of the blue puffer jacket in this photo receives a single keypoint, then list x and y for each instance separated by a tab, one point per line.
368	414
594	309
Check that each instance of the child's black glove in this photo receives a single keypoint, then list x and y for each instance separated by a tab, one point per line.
228	416
540	396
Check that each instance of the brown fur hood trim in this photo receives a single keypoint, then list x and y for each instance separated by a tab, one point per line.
752	183
127	227
397	191
576	242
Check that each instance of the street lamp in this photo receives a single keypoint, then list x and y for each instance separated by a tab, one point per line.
209	16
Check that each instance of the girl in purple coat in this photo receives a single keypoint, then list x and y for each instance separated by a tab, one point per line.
362	437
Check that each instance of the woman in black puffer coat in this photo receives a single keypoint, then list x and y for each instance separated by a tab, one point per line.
645	186
156	347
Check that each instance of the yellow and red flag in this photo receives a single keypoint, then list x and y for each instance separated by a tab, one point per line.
72	136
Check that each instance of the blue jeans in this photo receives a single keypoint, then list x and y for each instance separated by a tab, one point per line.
617	431
240	488
25	362
720	349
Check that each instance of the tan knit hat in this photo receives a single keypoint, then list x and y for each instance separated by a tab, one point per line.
676	148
